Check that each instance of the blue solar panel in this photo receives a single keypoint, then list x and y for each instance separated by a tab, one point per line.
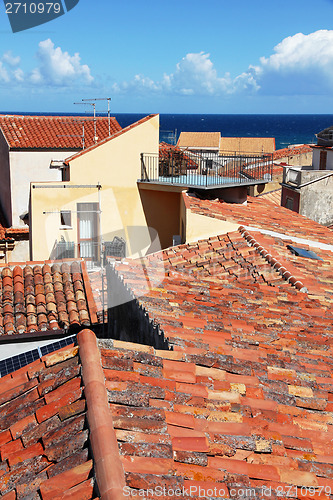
301	252
14	363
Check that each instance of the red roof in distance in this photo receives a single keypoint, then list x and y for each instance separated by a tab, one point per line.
54	132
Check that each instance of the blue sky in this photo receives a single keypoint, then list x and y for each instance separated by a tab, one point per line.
184	56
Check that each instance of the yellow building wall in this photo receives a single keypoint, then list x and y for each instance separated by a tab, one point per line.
162	212
198	227
116	166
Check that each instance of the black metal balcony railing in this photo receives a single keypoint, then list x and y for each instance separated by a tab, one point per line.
188	169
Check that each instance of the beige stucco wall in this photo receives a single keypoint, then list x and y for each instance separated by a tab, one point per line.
114	164
162	212
199	227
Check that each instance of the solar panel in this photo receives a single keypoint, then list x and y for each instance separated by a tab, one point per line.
14	363
301	252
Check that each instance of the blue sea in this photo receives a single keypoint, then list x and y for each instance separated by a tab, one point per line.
287	129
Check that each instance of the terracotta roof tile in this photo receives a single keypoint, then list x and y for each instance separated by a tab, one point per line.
12	233
237	145
53	132
262	214
272	196
251	370
292	151
243	401
199	140
49	458
40	297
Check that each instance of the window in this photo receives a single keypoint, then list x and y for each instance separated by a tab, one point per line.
66	218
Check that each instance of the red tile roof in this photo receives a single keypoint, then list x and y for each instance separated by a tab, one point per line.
243	402
292	151
40	297
44	434
244	399
103	141
53	132
197	140
272	196
10	233
238	145
262	214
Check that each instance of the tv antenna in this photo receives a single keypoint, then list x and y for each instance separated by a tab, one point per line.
108	99
94	105
81	136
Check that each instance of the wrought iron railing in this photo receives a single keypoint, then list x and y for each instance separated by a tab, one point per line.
207	170
93	252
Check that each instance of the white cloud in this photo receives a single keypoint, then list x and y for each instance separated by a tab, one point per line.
194	74
302	51
56	68
299	65
11	60
18	75
59	68
4	77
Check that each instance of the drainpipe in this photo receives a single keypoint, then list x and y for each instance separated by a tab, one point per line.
101	246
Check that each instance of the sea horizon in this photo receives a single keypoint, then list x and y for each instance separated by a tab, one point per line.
287	128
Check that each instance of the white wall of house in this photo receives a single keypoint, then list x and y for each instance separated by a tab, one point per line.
5	198
27	167
316	201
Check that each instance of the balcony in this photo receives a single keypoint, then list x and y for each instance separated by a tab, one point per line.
205	171
93	252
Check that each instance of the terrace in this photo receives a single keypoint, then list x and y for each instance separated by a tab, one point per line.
174	167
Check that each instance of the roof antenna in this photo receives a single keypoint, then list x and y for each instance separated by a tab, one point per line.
102	99
81	136
91	104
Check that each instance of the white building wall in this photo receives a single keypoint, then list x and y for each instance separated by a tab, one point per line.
5	199
27	167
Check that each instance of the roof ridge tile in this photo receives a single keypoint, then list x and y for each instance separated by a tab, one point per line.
287	275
